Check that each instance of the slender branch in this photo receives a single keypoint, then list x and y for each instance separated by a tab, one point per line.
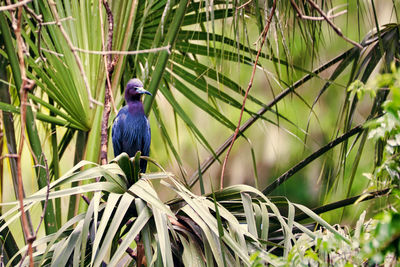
7	116
109	64
322	18
338	204
247	92
9	156
40	25
14	6
344	202
25	86
52	52
211	159
281	179
334	27
40	22
330	14
135	52
55	22
77	58
245	4
296	7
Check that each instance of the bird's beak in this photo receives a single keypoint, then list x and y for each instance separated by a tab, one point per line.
140	90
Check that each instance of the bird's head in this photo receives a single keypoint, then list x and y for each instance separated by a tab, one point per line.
134	90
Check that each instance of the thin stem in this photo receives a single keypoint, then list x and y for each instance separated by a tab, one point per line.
55	22
8	117
14	6
284	177
245	4
340	204
247	92
107	98
135	52
334	27
211	159
344	202
330	14
26	85
39	20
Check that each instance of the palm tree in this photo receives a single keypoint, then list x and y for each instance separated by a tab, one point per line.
192	57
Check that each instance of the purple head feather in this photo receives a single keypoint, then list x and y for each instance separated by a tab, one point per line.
134	89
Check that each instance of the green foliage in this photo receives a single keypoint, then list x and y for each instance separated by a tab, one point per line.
210	50
384	240
127	210
204	228
386	128
359	88
375	241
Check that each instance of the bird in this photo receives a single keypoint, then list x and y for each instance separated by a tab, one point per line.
131	129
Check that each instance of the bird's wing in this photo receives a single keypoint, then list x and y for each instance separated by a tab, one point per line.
116	134
146	140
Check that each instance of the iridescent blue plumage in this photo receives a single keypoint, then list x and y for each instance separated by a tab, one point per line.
131	129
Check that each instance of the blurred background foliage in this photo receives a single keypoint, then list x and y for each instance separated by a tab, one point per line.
299	101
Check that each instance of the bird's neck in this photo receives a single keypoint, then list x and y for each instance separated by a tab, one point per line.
132	97
135	106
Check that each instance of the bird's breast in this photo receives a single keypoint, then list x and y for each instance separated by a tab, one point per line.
135	134
136	124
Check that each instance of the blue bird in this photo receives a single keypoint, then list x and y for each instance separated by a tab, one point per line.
131	129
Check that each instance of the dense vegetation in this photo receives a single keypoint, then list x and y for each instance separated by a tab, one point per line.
275	133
